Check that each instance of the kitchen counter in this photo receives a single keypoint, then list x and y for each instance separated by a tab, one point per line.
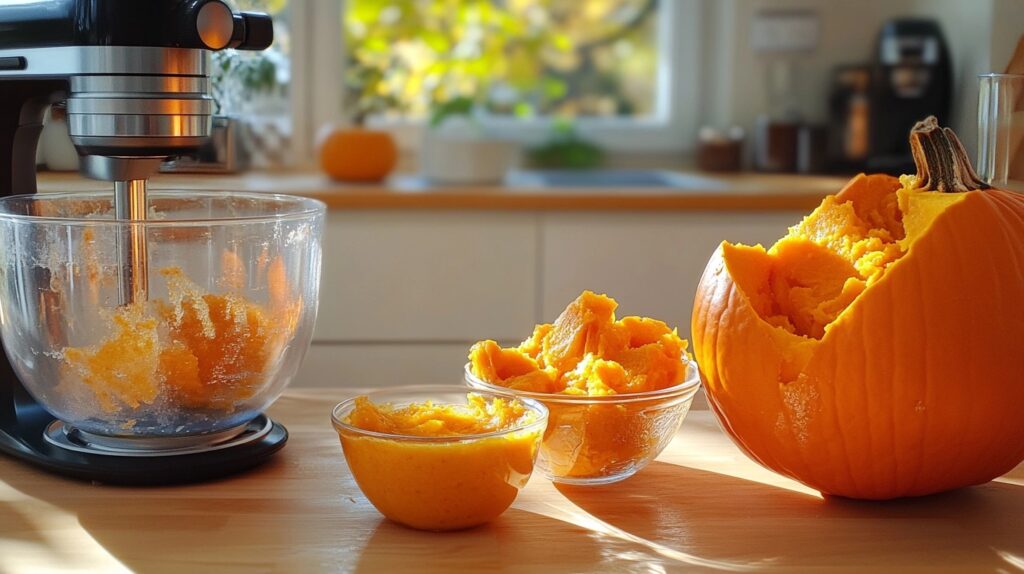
710	192
702	506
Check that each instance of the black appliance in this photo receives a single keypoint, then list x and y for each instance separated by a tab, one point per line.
911	79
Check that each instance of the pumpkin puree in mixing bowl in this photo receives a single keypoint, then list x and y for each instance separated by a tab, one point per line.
194	350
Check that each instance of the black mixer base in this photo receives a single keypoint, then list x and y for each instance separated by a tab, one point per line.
37	440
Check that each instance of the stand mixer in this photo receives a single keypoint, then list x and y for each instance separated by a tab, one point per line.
135	78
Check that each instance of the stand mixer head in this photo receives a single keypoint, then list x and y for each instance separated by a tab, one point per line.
136	89
135	78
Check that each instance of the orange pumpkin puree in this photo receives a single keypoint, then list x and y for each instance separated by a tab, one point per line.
587	352
195	350
442	484
429	419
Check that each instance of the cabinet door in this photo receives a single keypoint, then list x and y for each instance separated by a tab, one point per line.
364	365
650	262
428	276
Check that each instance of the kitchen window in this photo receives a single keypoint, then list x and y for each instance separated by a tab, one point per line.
258	87
622	71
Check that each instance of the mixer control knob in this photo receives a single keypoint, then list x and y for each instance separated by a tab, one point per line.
253	31
215	24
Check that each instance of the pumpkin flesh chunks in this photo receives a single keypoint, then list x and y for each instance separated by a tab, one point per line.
809	278
586	351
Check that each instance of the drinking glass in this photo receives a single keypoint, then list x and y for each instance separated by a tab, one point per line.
1001	130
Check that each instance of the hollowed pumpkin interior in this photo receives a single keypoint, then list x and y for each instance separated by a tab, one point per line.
806	282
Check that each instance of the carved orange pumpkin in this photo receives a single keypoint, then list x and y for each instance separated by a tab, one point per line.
877	350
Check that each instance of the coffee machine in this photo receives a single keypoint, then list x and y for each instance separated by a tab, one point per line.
911	78
134	76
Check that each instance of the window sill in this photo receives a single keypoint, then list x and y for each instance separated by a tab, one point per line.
732	192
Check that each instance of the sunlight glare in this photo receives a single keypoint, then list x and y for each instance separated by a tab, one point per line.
699	440
62	545
588	521
1012	559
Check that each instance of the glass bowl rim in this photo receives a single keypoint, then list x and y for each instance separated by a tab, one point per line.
534	405
1001	76
686	389
308	207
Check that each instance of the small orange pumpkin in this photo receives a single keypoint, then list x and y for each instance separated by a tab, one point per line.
875	351
357	155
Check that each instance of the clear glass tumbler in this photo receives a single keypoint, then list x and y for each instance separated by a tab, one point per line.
233	289
1001	130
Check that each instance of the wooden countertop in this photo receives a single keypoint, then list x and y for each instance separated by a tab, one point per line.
702	506
710	192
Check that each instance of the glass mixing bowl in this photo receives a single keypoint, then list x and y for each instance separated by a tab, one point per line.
233	287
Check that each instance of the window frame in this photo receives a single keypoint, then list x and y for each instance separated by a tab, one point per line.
317	94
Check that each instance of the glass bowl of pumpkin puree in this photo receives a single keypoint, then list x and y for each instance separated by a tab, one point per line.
436	457
617	390
186	343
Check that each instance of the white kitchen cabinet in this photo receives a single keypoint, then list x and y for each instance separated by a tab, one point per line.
649	262
333	365
405	293
347	366
428	276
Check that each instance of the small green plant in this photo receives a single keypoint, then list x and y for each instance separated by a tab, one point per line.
458	106
566	149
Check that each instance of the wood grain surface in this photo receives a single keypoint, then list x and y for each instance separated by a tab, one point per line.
730	192
702	506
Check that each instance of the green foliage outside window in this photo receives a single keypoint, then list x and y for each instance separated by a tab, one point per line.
237	76
569	58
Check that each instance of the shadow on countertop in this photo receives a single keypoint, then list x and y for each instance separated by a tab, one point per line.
667	517
238	527
518	541
729	522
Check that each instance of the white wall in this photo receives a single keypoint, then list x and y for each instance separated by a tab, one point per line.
738	86
1007	28
981	35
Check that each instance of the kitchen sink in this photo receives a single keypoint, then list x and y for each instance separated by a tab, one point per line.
624	178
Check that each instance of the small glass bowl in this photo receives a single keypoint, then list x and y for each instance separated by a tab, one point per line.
440	483
605	439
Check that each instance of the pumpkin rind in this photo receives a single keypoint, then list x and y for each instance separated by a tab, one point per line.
915	388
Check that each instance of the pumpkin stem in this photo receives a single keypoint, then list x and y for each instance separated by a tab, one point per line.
941	161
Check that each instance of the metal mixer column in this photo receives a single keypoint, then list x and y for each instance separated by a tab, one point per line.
130	204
